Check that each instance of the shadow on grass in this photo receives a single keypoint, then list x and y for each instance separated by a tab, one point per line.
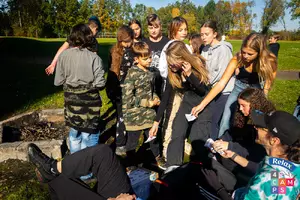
22	79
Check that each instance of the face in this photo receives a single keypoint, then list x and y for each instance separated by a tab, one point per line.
154	31
136	29
262	138
181	33
244	107
207	35
94	30
272	40
175	67
127	43
249	54
144	61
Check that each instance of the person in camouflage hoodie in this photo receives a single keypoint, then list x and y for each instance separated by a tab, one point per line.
138	101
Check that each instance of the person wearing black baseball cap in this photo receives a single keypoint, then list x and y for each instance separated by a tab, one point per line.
278	175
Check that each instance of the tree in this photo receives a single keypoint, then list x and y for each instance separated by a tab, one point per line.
242	17
84	12
294	5
175	12
273	10
223	16
209	10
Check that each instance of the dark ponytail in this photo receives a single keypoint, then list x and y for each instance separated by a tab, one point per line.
293	152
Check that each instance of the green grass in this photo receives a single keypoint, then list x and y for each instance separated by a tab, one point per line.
25	86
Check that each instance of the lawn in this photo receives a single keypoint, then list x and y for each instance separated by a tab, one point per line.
25	86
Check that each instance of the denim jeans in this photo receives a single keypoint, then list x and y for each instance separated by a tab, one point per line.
81	140
297	112
231	103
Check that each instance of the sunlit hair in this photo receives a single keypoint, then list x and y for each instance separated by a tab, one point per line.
135	21
265	60
141	49
81	36
175	25
196	43
212	25
257	100
124	34
153	20
177	52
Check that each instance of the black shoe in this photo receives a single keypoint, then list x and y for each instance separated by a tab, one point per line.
45	173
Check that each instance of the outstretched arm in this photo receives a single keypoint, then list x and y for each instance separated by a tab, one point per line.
50	69
218	87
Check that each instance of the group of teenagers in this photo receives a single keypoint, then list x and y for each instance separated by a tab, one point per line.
170	90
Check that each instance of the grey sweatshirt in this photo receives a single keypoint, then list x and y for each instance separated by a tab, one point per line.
217	58
79	67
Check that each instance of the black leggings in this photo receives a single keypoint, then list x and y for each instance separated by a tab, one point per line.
103	163
200	131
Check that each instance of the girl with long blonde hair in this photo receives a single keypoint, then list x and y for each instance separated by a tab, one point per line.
256	67
186	73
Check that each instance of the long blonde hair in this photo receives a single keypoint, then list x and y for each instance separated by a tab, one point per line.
177	51
266	60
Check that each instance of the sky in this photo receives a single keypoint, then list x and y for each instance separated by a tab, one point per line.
258	9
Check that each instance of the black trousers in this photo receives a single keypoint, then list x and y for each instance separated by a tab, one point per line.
132	143
200	131
120	127
103	163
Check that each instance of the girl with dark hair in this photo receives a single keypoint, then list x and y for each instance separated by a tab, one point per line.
217	54
257	68
136	26
120	60
82	74
196	44
243	135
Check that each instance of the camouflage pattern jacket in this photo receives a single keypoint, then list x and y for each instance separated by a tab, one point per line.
137	92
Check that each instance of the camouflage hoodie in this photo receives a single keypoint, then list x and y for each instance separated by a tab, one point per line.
275	178
137	91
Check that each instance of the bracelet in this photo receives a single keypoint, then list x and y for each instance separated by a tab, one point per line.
234	155
220	189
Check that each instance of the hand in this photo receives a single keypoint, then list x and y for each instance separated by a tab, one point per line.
197	109
220	145
153	129
124	197
211	178
187	68
227	154
50	69
237	71
155	102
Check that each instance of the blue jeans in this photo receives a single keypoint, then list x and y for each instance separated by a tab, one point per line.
297	112
231	103
81	140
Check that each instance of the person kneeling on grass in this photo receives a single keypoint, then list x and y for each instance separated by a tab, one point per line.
278	175
62	176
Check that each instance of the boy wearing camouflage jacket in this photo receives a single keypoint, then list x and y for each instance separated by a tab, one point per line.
138	102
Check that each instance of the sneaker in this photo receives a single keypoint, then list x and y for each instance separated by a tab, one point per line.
171	168
45	173
121	151
161	162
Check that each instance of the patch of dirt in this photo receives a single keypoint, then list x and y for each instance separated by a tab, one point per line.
44	131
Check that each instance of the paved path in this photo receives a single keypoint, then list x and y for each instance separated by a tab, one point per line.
288	75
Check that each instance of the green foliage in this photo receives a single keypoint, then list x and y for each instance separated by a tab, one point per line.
274	9
32	190
294	5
